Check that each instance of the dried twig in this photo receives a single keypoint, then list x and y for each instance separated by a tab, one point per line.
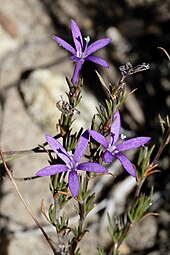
25	204
166	53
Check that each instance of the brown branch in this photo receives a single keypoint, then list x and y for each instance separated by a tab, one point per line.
25	204
166	53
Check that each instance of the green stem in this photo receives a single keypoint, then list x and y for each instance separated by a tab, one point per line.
125	232
128	224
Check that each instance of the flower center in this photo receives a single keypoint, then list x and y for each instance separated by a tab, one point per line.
112	149
87	40
73	164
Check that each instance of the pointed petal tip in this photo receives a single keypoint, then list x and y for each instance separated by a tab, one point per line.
133	174
108	39
143	139
73	21
48	138
148	138
64	44
116	114
99	138
126	164
41	173
52	170
47	135
98	61
132	171
133	143
55	38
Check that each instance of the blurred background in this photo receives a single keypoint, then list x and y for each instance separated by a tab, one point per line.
32	71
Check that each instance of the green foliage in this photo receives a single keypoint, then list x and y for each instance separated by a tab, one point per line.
11	155
77	252
165	126
70	140
86	200
105	113
62	224
143	160
101	251
89	204
74	94
58	187
52	214
139	208
115	229
76	231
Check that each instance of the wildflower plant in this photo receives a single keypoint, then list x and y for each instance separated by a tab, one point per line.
71	162
77	158
82	52
116	145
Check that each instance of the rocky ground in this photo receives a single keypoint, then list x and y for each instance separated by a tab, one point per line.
32	71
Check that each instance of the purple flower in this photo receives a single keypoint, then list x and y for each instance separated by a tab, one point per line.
82	52
116	146
71	162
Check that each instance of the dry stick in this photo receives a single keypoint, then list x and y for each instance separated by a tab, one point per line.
166	53
162	146
25	204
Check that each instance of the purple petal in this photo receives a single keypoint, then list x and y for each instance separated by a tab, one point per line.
51	170
126	164
115	127
74	58
92	167
64	44
77	69
97	45
107	157
77	37
99	138
81	146
98	61
54	144
132	143
58	149
73	183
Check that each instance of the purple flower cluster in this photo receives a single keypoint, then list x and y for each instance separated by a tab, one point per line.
71	162
82	52
112	149
116	145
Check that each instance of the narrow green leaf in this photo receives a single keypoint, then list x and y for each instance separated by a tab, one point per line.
11	155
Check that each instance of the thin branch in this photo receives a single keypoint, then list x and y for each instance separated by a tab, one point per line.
25	204
166	53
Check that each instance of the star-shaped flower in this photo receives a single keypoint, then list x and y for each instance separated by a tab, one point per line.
82	52
71	162
116	145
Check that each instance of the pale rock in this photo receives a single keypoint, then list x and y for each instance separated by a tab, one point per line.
7	43
121	45
43	89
